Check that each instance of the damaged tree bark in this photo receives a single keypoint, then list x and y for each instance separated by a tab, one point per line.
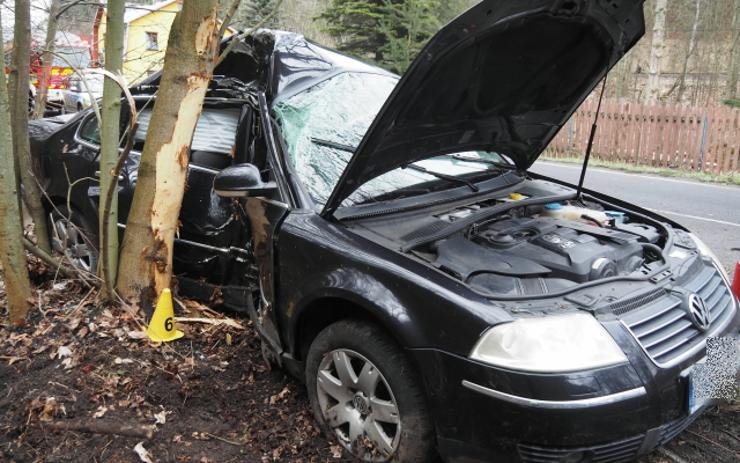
12	256
146	259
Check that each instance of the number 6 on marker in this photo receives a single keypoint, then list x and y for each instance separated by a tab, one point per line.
168	324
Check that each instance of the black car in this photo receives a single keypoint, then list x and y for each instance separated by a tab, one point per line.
394	253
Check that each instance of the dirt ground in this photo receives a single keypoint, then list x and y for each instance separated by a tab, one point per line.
79	370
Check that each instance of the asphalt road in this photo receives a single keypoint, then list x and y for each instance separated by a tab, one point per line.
711	211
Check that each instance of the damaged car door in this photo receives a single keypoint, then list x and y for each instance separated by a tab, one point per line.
211	258
261	186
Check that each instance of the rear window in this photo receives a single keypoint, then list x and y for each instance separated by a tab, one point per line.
215	131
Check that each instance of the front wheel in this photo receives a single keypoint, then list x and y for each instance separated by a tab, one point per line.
364	392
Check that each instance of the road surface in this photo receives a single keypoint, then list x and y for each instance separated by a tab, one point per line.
711	211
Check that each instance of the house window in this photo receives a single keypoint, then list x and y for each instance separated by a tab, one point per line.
151	41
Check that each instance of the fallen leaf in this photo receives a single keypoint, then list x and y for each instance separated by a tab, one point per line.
49	410
63	352
161	417
142	453
336	451
120	361
74	323
12	360
102	410
136	334
69	363
280	396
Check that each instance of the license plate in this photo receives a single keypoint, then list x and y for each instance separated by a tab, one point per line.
696	400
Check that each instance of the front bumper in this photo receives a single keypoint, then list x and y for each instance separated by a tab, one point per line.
612	414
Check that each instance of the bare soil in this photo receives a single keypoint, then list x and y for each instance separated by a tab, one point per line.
209	397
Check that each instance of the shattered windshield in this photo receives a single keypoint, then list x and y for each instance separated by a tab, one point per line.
323	125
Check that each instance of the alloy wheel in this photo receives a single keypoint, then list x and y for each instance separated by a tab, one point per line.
67	239
358	404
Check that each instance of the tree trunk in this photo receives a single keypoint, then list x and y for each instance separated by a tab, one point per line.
19	113
652	88
12	255
109	142
47	57
734	65
146	259
690	47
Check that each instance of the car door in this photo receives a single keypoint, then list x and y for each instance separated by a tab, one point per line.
266	215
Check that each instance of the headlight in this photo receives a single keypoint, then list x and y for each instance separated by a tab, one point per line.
551	344
706	252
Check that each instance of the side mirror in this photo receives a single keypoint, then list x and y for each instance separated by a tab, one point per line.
242	181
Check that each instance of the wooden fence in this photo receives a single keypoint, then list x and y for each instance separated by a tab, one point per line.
679	137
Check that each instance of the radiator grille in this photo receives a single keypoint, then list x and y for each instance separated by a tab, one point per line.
663	327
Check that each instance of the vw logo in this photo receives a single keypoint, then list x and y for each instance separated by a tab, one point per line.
698	311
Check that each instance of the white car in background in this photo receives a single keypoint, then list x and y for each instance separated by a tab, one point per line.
79	94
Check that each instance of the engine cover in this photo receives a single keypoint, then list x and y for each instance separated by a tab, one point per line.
539	255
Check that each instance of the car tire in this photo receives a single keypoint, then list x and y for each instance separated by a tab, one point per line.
71	235
377	387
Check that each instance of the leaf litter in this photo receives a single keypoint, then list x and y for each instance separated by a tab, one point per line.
82	382
79	373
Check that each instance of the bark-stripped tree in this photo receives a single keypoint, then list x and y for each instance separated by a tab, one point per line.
734	65
47	57
19	113
109	142
146	258
12	255
657	48
690	48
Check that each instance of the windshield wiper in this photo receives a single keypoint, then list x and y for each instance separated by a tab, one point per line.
460	157
449	178
333	144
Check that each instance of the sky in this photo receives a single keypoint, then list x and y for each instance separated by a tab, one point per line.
39	14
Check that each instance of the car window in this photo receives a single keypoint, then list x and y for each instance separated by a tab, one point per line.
90	131
322	125
215	131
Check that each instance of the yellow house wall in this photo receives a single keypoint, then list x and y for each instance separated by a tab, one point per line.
138	62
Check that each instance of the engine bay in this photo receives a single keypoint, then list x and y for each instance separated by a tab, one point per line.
536	248
526	252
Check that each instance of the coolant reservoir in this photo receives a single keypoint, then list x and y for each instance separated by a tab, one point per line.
581	214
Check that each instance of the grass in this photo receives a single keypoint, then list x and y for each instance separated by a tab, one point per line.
729	178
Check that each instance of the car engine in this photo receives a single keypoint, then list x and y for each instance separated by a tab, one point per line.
531	251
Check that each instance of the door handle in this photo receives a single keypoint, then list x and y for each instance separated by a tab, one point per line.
97	175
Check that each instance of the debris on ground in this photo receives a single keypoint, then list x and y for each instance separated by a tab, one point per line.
82	382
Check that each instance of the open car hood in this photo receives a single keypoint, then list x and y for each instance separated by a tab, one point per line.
504	77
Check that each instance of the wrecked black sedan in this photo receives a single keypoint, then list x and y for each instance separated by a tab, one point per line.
394	253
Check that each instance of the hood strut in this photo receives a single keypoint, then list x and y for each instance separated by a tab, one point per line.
590	141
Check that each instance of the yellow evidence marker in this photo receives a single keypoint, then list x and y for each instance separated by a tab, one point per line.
162	325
